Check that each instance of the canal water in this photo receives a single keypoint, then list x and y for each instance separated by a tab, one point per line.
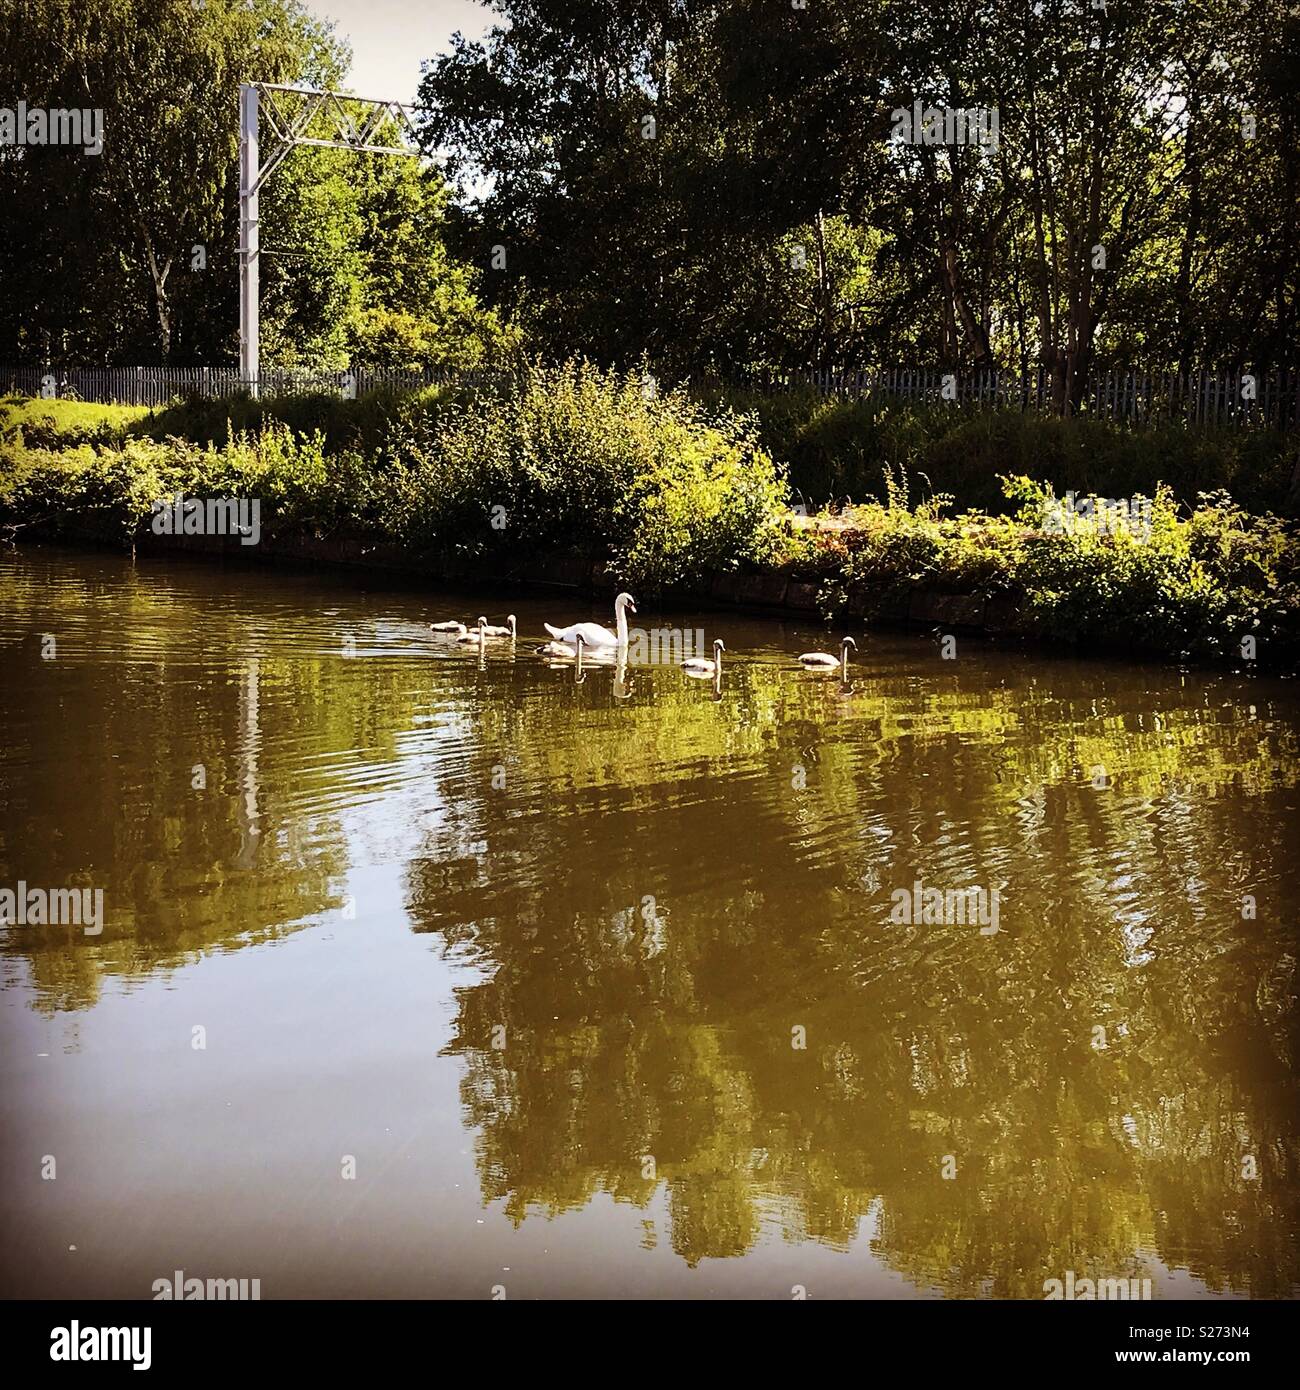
427	971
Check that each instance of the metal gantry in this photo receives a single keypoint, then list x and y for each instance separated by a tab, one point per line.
340	122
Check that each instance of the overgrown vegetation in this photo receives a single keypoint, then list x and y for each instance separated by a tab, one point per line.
363	423
840	449
563	457
1184	582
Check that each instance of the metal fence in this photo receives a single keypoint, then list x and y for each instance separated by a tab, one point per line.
1198	399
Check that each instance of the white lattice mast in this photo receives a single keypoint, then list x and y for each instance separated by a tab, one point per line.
343	122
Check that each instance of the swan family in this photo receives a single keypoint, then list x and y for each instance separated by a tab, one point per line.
591	641
478	633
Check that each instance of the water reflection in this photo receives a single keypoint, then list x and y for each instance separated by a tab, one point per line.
669	914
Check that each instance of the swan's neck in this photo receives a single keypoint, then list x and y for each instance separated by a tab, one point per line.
620	622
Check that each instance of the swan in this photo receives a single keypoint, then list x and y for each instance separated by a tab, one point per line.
563	650
592	633
824	661
451	625
507	631
476	633
701	665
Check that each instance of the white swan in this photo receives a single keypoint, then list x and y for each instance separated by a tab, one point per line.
824	661
592	633
476	633
701	665
451	625
508	631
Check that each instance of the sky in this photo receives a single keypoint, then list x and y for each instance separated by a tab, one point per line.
390	38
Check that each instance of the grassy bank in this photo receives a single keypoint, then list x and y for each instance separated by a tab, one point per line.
1210	583
668	491
361	424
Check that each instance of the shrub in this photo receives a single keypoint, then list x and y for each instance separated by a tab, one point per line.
571	456
574	458
1195	584
98	490
837	448
1191	586
60	424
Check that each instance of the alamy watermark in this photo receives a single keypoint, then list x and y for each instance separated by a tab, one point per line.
664	646
22	906
208	516
42	125
1072	1288
945	125
1072	515
77	1343
922	906
192	1289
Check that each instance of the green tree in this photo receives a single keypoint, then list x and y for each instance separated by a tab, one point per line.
1126	215
132	255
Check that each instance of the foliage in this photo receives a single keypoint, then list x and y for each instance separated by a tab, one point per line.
575	456
362	423
131	255
839	449
666	490
1127	215
1175	584
60	424
358	272
566	457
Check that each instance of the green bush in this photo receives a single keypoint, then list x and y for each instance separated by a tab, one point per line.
1178	583
343	424
109	491
94	490
891	547
564	458
1193	585
575	457
60	424
838	449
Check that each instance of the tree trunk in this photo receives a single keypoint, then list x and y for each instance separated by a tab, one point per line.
160	274
1183	289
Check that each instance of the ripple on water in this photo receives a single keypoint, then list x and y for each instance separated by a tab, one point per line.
678	913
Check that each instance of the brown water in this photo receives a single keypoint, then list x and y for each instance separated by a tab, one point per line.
537	955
